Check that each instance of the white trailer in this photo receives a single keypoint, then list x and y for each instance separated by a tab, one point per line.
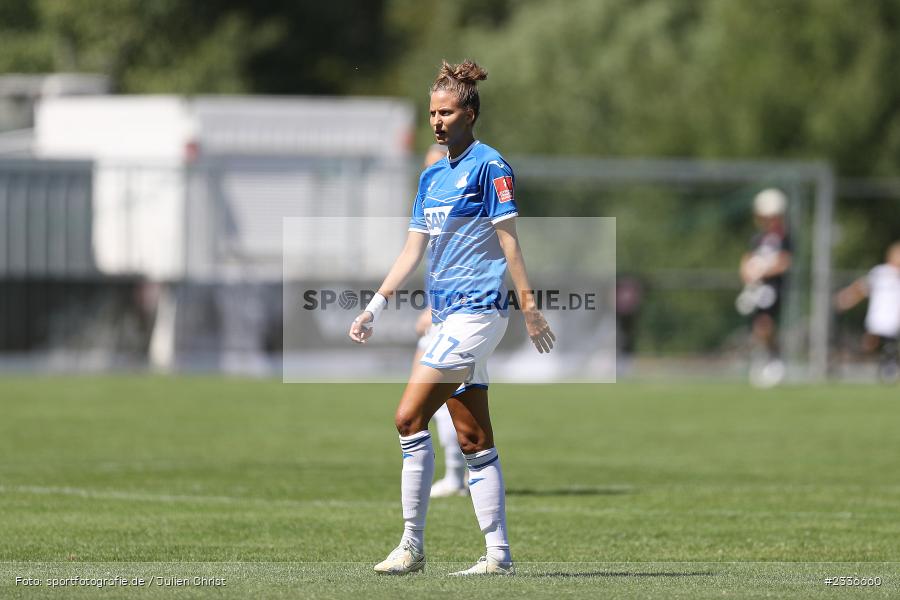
196	188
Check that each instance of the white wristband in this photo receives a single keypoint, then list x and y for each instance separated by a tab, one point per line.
375	306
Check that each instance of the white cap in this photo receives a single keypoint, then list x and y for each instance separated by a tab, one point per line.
770	202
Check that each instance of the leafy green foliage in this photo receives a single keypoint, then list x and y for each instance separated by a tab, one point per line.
705	78
219	46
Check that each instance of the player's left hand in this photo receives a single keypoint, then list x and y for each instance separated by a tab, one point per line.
361	328
539	331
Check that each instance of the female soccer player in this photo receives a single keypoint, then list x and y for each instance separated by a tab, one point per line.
454	481
464	214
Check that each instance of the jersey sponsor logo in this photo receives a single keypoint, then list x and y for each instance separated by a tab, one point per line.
435	218
504	187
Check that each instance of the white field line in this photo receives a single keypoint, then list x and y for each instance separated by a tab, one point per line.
175	498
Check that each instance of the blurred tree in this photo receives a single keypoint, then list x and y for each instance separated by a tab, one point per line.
333	47
27	46
773	78
705	78
215	46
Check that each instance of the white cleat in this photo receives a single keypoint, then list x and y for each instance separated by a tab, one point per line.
444	488
488	566
402	560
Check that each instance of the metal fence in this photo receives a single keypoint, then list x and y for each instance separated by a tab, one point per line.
46	220
144	229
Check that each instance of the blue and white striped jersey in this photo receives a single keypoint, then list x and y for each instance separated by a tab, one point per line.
457	204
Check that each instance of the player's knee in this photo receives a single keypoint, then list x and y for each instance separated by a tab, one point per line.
408	422
763	325
469	447
471	442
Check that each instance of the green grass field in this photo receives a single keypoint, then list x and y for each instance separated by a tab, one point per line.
292	491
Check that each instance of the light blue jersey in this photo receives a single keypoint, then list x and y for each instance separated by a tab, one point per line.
457	204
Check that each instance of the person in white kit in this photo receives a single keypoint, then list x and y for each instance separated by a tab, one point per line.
882	286
464	216
454	481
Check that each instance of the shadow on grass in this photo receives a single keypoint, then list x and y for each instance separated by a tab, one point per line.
621	574
571	491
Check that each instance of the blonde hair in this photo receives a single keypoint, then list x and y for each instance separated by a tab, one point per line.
461	80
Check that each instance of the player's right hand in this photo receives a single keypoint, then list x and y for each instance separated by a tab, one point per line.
539	331
361	328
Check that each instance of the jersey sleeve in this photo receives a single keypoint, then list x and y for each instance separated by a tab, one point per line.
417	221
499	197
872	277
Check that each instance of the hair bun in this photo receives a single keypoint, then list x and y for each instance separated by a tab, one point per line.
467	71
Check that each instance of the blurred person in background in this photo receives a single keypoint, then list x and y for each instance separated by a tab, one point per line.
454	481
464	214
629	295
882	287
763	269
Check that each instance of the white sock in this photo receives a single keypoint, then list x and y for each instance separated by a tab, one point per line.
454	464
415	485
454	461
489	500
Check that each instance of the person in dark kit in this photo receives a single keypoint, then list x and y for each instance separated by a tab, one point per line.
763	270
